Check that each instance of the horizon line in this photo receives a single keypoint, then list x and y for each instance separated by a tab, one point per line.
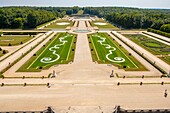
85	6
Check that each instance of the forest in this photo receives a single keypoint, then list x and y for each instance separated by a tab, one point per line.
123	17
30	17
133	18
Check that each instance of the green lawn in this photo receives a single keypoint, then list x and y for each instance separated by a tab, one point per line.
44	23
166	59
59	50
54	25
107	26
106	50
13	40
153	46
80	12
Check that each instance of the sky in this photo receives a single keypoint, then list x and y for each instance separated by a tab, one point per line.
161	4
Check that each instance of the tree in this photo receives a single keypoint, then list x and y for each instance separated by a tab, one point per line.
69	12
157	24
165	28
17	23
1	33
75	9
32	20
4	52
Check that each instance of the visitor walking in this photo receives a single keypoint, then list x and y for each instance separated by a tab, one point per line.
166	93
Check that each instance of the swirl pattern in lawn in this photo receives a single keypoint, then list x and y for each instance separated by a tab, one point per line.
54	52
107	46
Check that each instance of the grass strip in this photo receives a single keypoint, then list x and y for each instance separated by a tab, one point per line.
107	26
55	26
13	40
45	23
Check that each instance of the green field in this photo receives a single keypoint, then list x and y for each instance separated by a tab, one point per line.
80	12
166	59
14	40
107	26
106	50
54	25
44	24
153	46
59	50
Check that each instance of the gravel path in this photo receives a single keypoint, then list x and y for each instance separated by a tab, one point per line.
77	98
160	36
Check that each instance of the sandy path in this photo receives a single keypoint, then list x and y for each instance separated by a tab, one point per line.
147	54
160	36
82	54
89	81
60	96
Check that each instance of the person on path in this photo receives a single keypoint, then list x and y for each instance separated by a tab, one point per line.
166	93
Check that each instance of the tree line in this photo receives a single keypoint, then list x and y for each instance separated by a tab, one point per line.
131	18
128	18
30	17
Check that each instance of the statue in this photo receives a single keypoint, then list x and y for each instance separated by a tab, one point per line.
112	75
53	74
169	74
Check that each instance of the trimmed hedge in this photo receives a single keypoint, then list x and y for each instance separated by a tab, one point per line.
78	24
165	28
22	33
1	33
159	32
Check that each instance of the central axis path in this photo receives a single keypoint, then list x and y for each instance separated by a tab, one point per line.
83	68
82	54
